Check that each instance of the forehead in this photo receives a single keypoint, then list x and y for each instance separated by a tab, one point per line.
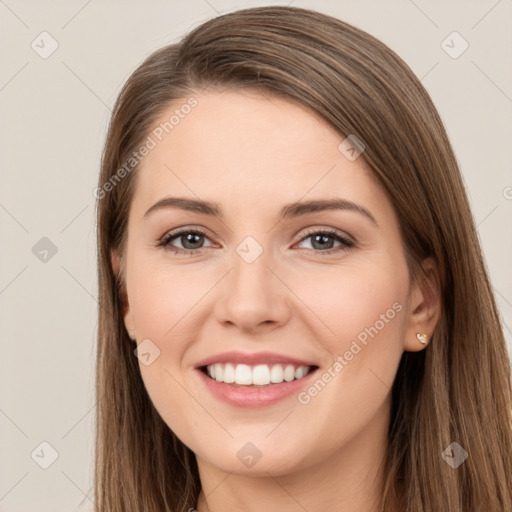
248	149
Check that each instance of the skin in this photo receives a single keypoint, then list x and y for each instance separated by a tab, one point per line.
252	154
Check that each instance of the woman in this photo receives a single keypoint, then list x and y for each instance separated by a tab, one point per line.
295	313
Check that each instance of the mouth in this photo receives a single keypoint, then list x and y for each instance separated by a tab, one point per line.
260	375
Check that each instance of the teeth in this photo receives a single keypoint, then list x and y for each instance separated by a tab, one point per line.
289	373
261	375
243	374
229	373
219	370
258	375
300	372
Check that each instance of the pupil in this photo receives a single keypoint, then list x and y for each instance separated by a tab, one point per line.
189	238
322	237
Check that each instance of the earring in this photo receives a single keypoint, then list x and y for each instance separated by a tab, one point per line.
422	338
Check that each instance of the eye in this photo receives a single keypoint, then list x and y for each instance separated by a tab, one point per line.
191	240
321	240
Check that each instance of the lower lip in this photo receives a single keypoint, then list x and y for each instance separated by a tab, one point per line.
255	396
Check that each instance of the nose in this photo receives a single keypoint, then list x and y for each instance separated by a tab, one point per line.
253	297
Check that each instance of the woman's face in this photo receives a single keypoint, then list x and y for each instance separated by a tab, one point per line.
288	286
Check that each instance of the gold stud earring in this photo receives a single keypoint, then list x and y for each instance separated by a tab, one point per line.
422	338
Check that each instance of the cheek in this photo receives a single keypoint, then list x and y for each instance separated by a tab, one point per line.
361	303
362	323
163	301
163	295
362	313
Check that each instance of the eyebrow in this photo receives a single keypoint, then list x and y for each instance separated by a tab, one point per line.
289	211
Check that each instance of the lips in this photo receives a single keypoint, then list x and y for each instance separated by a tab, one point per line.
254	380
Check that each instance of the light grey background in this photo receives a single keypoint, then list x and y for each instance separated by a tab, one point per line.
54	113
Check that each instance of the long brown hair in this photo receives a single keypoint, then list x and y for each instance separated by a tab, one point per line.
458	389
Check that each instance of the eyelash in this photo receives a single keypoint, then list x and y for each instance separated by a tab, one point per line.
165	241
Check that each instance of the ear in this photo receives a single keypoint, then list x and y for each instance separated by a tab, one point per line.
127	314
424	306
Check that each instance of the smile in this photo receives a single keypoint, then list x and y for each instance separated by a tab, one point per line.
256	375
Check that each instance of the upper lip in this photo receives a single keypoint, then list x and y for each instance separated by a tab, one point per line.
252	359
